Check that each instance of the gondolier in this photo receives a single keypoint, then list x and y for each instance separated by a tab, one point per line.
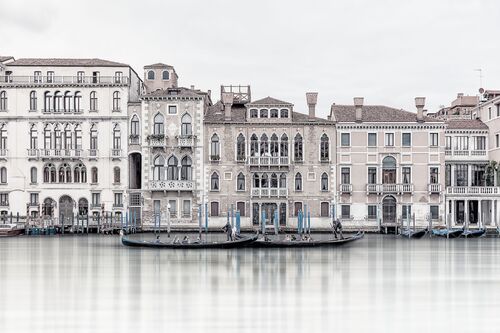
337	229
229	231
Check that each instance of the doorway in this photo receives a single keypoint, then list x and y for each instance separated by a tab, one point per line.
389	209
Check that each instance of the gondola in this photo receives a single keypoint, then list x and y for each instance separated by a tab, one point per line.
473	233
240	242
306	243
447	233
408	233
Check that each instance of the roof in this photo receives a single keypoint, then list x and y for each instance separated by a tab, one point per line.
375	114
269	101
158	65
177	92
466	124
66	62
215	114
5	58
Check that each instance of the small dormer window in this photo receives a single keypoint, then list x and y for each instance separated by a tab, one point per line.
284	113
151	75
165	75
263	113
274	113
254	113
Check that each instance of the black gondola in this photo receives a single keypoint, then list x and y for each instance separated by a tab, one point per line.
447	233
414	233
241	241
306	243
473	233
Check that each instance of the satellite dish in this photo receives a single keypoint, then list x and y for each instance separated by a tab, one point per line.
481	90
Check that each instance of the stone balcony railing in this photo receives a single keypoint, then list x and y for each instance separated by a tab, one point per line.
116	153
58	153
157	141
345	188
268	161
268	192
464	153
185	141
59	80
434	188
473	190
171	185
389	188
4	153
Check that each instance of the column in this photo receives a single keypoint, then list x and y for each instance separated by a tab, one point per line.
479	212
452	176
453	212
466	213
492	215
469	175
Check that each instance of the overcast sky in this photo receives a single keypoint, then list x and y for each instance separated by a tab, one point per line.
388	51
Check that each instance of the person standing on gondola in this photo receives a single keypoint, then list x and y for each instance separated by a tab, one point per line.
229	231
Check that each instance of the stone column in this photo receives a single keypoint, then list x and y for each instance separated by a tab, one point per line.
466	213
479	212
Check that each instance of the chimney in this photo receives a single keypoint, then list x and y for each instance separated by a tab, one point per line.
358	104
192	87
420	103
312	99
209	93
227	100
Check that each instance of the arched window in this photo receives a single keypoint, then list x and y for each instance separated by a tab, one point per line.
116	175
165	75
77	101
93	137
389	170
264	145
324	149
256	180
240	182
389	162
215	148
68	137
172	168
3	136
94	175
324	182
186	170
117	141
33	101
116	101
274	145
57	101
283	113
33	137
158	126
254	113
58	143
80	173
263	113
298	182
134	126
78	137
159	168
240	148
151	75
274	113
64	173
33	175
283	180
47	102
3	100
93	101
254	145
274	180
298	151
264	180
3	175
49	173
67	101
186	127
284	146
214	182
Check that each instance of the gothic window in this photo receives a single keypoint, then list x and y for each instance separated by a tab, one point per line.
78	137
298	148
158	125
298	182
284	146
282	180
214	182
116	101
324	149
186	168
116	137
186	127
264	145
93	137
215	147
159	168
3	136
33	137
324	182
172	168
254	145
274	145
240	148
240	182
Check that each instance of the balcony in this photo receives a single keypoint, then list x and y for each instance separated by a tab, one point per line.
157	141
473	190
10	80
389	188
434	188
4	203
116	153
93	153
269	192
134	139
465	154
185	141
117	205
171	185
268	161
33	153
95	206
345	188
60	153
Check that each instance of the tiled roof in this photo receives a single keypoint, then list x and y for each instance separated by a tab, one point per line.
5	58
466	124
158	65
375	114
269	101
178	92
66	62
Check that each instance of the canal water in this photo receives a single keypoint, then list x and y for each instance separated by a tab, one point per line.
379	284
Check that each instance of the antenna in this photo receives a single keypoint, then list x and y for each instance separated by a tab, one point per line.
480	70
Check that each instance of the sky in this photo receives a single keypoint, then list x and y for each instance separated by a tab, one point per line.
387	51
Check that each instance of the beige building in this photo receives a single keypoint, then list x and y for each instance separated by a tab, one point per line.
390	164
266	160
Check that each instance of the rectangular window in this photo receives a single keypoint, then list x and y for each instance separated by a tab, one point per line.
462	143
37	77
4	199
325	209
345	139
345	211
434	212
406	212
461	175
448	175
434	175
480	143
372	175
96	199
345	175
79	77
240	206
448	143
214	208
389	139
434	139
50	77
372	139
372	212
186	208
172	204
406	140
406	175
118	77
34	198
297	206
118	199
172	109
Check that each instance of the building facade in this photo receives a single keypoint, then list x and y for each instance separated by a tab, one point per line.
63	130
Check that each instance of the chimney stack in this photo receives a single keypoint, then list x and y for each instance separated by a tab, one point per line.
227	100
358	104
312	99
420	103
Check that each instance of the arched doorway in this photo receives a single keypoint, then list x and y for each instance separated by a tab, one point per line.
66	209
135	172
389	209
389	170
83	207
48	207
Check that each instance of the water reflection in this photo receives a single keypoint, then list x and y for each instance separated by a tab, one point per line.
381	284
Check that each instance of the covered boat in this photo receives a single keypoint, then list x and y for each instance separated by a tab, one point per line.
306	243
241	241
10	229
